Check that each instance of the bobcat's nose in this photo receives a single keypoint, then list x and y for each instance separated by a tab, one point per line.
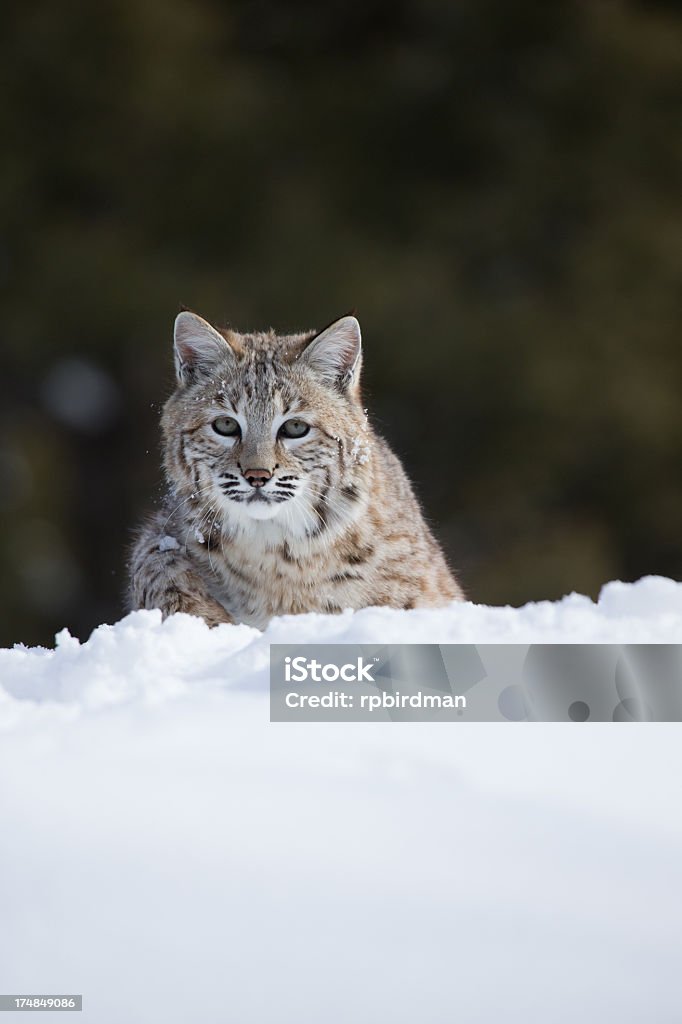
257	477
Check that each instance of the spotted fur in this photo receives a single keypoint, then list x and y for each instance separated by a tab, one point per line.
259	524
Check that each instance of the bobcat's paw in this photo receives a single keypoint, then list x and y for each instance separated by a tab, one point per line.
187	600
211	612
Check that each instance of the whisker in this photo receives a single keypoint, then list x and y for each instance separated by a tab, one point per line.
210	533
196	523
194	494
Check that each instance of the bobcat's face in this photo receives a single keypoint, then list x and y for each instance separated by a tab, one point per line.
267	428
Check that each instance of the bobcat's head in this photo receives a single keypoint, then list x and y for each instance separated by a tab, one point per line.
266	432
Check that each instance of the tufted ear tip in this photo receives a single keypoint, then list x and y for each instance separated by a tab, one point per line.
335	353
197	345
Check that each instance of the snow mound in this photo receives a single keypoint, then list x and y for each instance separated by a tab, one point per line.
143	656
168	852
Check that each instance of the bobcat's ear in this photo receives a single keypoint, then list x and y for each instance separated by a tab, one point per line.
197	345
336	353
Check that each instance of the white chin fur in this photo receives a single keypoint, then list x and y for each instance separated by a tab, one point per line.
261	509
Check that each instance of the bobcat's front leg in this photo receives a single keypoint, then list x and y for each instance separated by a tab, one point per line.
162	576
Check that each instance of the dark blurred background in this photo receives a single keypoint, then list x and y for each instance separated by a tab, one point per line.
493	186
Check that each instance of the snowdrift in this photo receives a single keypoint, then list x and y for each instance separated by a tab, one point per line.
173	856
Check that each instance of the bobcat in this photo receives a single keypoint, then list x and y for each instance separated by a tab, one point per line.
282	498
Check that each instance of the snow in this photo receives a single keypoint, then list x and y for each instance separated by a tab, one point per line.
167	543
172	855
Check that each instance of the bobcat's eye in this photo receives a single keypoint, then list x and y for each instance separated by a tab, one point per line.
226	426
294	428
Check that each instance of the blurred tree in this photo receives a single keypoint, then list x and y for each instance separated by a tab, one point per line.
494	187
